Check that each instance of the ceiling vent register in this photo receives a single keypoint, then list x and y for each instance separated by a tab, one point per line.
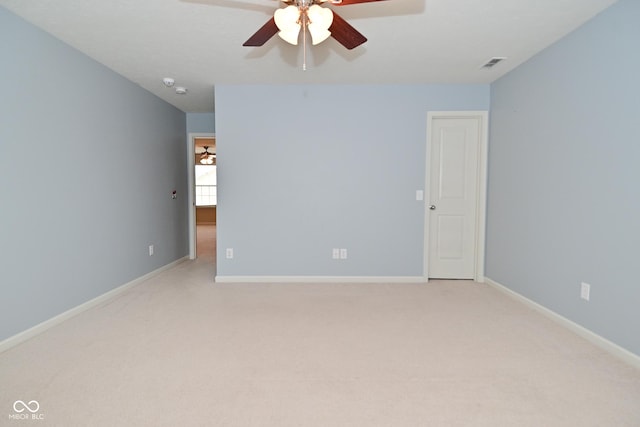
493	61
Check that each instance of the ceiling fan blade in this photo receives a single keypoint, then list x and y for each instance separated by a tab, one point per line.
348	2
344	33
261	36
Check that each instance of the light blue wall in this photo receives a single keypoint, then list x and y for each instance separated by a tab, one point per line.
88	161
564	180
201	123
303	169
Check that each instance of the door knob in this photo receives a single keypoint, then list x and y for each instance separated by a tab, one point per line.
432	207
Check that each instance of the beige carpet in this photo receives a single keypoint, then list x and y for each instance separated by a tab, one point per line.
179	350
206	241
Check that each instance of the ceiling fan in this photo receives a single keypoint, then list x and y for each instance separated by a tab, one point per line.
207	158
321	22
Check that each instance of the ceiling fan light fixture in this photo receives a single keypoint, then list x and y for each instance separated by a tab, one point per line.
320	19
290	35
287	22
299	15
206	158
318	35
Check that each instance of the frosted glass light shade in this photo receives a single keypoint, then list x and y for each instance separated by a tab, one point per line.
287	22
320	20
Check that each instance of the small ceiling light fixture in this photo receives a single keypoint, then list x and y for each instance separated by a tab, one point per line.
181	90
207	158
168	81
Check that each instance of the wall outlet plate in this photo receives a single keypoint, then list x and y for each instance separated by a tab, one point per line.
585	291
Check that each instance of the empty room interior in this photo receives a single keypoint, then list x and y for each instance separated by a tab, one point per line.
432	220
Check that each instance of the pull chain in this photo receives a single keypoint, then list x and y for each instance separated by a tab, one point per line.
304	41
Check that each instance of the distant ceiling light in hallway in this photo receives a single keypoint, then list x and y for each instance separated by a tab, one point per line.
207	158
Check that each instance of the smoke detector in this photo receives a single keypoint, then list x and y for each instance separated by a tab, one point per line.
181	90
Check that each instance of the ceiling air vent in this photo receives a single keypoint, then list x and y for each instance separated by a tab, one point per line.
493	61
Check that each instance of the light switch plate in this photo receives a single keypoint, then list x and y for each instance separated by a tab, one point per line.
585	291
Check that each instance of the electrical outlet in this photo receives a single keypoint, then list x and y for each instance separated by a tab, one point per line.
336	253
585	291
229	253
150	250
343	254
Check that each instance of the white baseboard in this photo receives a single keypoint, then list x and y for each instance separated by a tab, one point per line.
41	327
585	333
320	279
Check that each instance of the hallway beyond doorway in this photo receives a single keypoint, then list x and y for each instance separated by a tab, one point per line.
206	242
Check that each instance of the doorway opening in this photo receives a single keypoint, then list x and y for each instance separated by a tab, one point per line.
203	197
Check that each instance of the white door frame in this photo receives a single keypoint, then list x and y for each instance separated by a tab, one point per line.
481	204
191	182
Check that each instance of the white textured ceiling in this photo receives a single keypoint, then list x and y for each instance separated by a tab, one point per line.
199	42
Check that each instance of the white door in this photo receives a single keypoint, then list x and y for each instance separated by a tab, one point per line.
453	204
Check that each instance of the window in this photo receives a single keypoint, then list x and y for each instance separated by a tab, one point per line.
206	190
